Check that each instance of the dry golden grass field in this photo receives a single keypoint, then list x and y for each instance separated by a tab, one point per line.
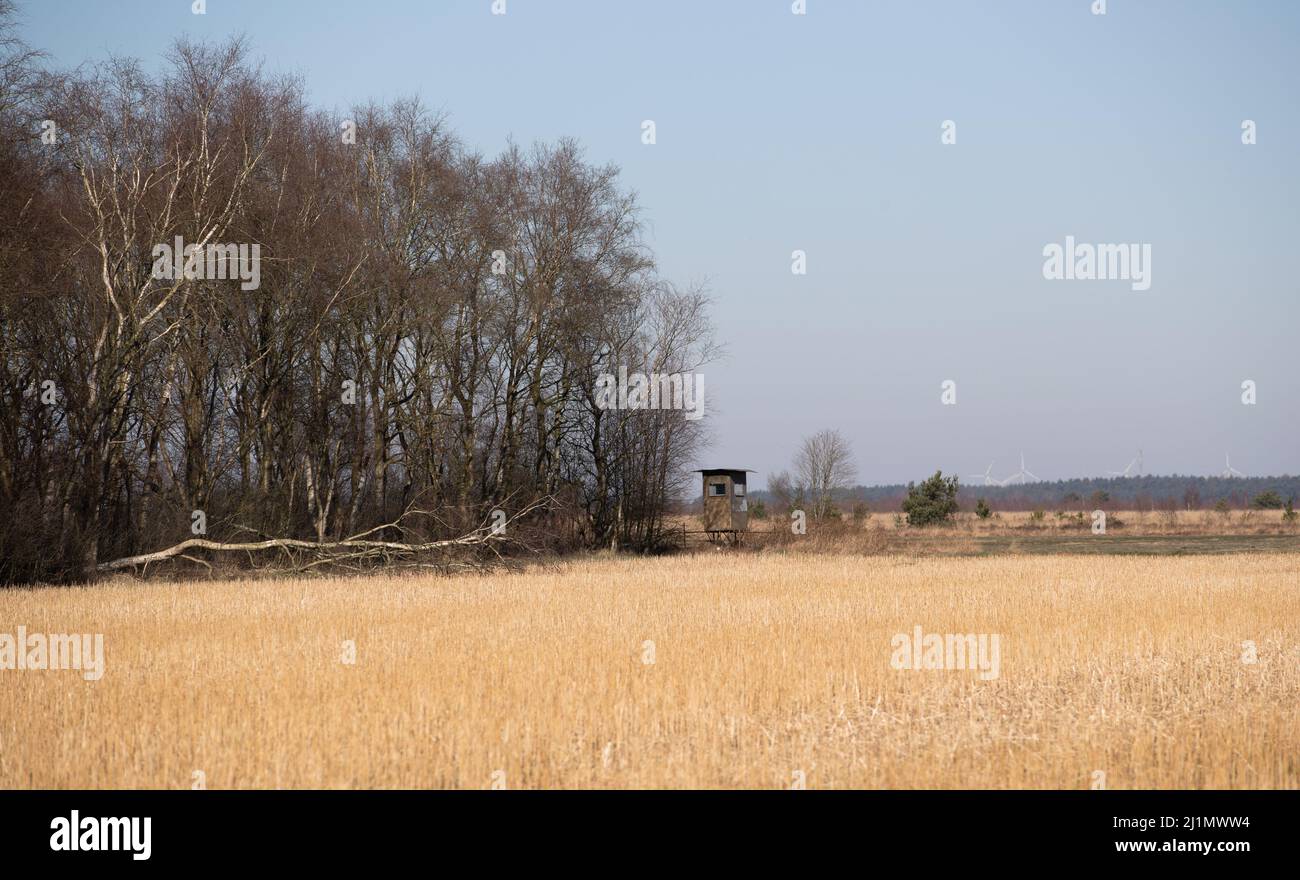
707	670
1130	522
1140	521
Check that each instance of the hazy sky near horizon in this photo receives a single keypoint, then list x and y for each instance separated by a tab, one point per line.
822	132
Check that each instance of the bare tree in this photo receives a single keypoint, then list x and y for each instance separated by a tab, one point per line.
824	465
783	490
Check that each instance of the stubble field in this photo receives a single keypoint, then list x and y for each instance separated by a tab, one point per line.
705	670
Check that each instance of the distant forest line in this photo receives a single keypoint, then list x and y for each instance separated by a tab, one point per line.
1120	493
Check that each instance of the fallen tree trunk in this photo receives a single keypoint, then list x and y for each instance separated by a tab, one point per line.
321	546
348	548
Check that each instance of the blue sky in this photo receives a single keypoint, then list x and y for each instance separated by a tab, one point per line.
821	132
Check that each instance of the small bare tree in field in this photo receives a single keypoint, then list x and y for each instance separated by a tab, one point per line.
824	465
783	491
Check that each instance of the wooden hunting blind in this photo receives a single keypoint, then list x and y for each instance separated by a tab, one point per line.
726	509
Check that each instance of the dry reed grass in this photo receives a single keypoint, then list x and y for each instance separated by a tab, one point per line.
763	666
1127	522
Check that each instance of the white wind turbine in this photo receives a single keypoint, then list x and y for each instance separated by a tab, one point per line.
1023	473
987	477
1229	471
1124	473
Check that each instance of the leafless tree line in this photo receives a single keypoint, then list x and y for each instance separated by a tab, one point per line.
421	349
